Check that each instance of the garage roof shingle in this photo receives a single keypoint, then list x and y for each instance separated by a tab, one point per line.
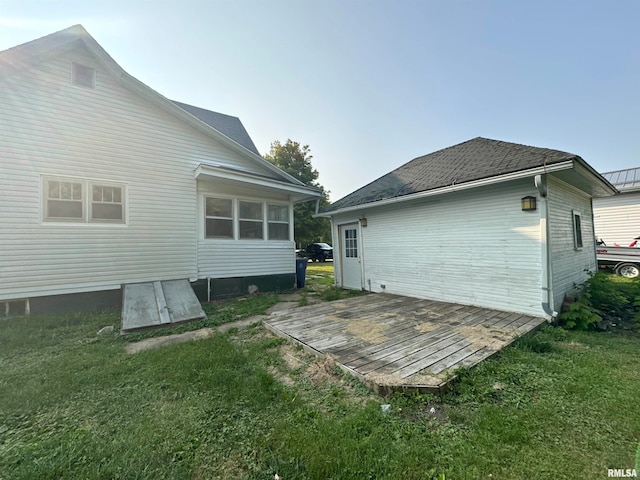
475	159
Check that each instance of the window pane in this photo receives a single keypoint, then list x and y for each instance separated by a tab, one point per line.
117	195
107	194
64	209
577	224
217	228
278	231
251	210
97	194
250	230
54	189
219	207
278	213
106	211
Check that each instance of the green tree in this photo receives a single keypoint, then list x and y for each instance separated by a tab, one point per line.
295	159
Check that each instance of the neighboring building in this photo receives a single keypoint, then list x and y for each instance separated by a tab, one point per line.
617	219
107	182
485	222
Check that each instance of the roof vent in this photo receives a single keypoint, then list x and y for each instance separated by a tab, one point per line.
83	75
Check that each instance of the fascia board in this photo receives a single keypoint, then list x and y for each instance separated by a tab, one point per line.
455	188
302	192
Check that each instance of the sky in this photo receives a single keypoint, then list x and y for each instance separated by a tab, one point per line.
370	85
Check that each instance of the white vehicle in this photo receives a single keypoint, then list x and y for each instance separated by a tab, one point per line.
625	261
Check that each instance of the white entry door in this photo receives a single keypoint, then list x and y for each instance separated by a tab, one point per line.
350	256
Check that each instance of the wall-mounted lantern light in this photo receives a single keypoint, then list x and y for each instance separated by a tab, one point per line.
363	222
528	204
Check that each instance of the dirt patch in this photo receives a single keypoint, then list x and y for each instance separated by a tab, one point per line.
427	327
158	342
481	337
367	330
322	369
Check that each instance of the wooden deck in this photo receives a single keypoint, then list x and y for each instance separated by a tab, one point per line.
392	342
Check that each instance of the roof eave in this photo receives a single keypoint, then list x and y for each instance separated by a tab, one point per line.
565	165
298	193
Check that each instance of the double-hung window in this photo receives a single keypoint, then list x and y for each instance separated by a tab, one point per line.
278	220
251	220
107	204
245	219
219	217
83	201
64	201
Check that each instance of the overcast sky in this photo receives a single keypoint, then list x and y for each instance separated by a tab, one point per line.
369	85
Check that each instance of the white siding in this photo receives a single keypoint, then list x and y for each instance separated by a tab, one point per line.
49	127
617	219
239	258
568	265
475	247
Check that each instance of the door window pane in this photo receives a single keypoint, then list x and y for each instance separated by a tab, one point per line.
350	243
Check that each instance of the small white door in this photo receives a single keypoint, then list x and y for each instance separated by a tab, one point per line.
350	256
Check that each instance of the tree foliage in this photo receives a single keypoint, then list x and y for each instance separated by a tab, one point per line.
295	159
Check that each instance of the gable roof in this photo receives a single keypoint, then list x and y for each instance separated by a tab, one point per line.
223	128
466	163
627	180
231	126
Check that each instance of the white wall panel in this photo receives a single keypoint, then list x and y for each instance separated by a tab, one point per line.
617	219
568	265
475	247
50	127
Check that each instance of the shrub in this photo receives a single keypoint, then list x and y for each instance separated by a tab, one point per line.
602	296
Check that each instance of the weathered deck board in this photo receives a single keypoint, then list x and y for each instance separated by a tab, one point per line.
391	341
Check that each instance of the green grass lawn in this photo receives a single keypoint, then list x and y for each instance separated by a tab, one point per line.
556	404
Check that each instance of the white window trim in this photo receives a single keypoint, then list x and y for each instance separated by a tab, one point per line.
87	201
232	218
577	245
253	220
235	206
280	222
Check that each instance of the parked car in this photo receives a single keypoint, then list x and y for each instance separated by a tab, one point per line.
318	252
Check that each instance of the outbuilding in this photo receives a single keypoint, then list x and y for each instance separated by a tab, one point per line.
485	222
617	218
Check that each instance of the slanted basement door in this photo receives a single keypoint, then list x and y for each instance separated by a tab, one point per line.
154	304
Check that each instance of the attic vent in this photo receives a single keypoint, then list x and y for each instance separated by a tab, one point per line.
83	76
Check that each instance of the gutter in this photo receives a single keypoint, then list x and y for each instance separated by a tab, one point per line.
540	182
566	165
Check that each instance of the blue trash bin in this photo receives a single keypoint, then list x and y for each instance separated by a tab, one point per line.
301	270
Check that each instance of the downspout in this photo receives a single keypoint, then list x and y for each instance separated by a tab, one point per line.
547	277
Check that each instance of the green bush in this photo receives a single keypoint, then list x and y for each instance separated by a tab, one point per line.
602	296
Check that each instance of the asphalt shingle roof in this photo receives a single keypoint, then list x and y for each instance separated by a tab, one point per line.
628	179
472	160
226	124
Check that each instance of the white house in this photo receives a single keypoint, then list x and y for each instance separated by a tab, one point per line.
486	223
617	219
107	182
